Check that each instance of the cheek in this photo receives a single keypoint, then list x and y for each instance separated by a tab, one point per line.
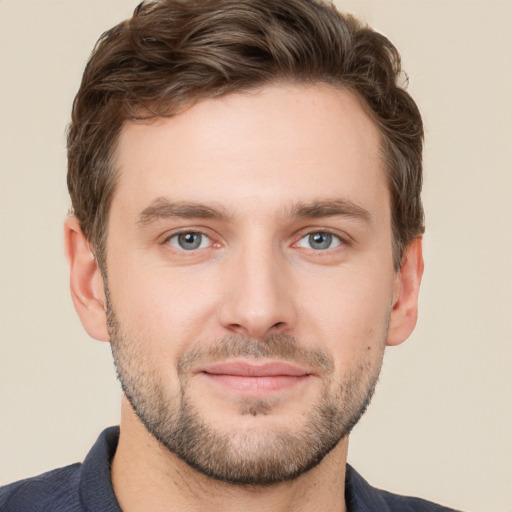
350	314
167	307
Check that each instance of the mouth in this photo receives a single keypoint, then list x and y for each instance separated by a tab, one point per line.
242	376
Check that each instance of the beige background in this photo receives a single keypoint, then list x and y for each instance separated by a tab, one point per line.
441	422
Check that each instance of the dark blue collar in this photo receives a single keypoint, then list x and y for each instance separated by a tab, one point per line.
97	493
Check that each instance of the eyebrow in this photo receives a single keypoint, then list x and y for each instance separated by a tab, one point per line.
331	208
163	208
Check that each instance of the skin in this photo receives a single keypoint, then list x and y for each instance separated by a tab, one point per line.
257	157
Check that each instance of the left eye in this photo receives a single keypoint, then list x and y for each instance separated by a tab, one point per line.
319	241
189	241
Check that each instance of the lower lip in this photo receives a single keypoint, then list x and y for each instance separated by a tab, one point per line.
257	384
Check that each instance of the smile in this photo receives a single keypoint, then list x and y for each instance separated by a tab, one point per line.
242	376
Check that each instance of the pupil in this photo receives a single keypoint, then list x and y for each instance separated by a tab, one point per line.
190	240
320	240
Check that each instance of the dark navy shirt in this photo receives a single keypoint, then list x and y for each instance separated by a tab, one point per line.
87	488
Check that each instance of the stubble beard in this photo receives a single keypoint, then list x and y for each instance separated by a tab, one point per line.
249	457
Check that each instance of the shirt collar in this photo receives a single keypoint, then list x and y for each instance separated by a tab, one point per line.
360	496
97	493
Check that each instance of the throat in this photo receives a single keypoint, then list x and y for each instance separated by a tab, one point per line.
147	476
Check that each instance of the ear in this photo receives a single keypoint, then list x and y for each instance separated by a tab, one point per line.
86	282
405	296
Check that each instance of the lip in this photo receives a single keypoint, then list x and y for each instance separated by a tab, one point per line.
242	376
246	369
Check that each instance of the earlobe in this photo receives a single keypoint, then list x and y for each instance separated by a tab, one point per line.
405	300
86	282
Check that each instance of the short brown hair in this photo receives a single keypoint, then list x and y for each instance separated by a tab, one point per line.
172	53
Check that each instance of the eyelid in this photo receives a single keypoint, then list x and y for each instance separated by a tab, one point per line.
343	237
175	242
188	229
335	240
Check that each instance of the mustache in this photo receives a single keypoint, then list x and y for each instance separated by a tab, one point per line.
283	347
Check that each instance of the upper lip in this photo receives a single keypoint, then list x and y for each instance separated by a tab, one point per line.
246	369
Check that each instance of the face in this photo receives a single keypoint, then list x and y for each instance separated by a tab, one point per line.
250	278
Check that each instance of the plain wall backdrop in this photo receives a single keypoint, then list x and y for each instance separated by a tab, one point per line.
440	425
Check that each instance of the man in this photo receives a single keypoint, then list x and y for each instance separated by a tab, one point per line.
246	233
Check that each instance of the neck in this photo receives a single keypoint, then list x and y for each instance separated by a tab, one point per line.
146	476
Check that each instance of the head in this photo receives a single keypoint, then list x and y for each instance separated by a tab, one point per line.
172	54
247	175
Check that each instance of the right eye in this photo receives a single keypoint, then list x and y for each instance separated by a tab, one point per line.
189	241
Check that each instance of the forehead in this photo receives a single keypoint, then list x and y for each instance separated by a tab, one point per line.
276	145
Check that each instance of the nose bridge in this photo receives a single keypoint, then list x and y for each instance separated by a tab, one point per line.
258	301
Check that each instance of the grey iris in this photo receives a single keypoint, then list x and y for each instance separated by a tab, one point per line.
189	241
320	240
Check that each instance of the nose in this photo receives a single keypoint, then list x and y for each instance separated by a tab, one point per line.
259	298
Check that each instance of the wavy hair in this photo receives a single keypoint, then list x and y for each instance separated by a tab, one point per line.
173	53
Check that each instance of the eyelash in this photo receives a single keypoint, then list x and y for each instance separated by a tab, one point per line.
176	235
334	238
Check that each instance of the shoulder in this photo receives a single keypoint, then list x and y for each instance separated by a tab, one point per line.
362	497
56	490
75	488
398	503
